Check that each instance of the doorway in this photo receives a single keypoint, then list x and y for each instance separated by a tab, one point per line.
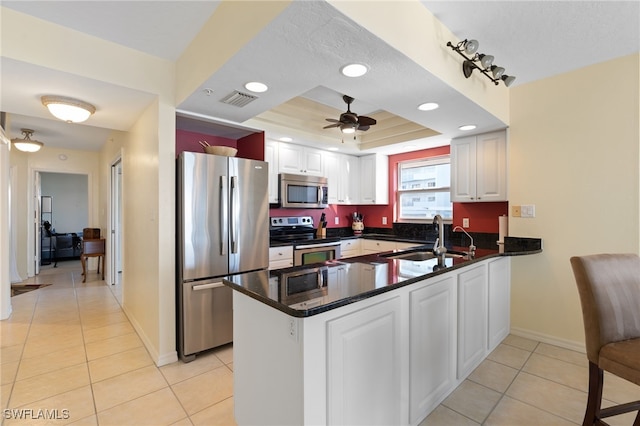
115	226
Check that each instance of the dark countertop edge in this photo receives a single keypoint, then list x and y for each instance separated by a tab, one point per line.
371	258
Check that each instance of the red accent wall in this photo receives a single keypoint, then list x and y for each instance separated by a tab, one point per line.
251	146
483	217
188	141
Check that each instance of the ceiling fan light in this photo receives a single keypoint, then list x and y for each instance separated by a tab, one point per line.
354	70
486	60
68	109
27	144
471	46
508	80
347	129
497	71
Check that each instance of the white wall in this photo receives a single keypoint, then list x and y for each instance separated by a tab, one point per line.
69	200
574	153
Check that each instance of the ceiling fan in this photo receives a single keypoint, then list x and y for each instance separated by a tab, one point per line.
349	121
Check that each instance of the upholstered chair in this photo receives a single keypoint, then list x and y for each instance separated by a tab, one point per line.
609	288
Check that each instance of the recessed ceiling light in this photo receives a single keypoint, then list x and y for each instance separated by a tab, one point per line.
62	157
286	139
467	127
354	70
429	106
333	148
256	86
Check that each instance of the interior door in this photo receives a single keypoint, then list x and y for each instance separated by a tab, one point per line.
37	190
116	223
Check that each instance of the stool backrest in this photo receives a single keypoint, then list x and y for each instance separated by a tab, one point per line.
93	246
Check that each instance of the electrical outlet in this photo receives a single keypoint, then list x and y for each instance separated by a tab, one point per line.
515	211
465	222
384	220
336	220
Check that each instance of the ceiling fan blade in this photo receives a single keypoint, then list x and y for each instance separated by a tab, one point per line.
366	121
363	128
332	120
338	124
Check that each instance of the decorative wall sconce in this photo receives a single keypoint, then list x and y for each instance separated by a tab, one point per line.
481	62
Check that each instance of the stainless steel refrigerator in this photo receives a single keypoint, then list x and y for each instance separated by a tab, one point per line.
223	229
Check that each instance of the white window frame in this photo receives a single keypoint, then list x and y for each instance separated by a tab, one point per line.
428	161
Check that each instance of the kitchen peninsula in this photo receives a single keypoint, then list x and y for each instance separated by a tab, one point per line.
374	339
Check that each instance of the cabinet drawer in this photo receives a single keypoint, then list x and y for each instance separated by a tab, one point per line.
280	253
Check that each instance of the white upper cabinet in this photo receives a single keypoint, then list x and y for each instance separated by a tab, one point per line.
343	174
271	157
300	159
374	179
479	168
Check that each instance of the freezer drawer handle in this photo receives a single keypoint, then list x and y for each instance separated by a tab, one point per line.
224	215
207	286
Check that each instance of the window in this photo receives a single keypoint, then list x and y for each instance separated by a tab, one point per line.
423	189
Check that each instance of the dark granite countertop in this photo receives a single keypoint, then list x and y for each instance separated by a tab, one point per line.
296	292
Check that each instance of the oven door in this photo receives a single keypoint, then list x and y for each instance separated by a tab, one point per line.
305	254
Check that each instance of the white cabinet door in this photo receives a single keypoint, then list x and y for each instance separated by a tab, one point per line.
364	354
472	318
333	175
499	301
479	168
280	257
377	246
299	159
349	184
271	157
463	169
350	248
374	179
491	167
432	356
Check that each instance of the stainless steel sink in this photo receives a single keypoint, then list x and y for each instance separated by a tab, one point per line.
424	255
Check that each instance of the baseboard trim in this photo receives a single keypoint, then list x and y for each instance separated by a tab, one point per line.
551	340
159	360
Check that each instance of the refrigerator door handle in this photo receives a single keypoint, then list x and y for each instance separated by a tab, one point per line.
207	286
224	215
234	215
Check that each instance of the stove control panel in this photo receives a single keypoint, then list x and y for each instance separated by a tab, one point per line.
291	221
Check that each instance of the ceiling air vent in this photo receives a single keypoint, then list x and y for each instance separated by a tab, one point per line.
238	99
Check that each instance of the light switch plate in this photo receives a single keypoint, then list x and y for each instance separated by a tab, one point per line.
528	210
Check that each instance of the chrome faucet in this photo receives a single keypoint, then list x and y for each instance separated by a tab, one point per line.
438	247
472	248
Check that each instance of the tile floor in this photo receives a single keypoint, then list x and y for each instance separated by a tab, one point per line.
68	348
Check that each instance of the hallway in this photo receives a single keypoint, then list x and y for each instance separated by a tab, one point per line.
70	351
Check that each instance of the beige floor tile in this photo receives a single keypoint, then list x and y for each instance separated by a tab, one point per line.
5	393
126	387
112	346
120	363
563	372
521	342
11	353
87	421
67	407
107	331
225	353
155	409
493	375
567	355
101	320
183	422
39	346
13	333
510	412
51	361
509	355
220	414
550	396
472	400
9	371
443	416
179	371
619	390
49	384
205	390
40	330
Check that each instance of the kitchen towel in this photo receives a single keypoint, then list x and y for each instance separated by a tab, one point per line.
503	228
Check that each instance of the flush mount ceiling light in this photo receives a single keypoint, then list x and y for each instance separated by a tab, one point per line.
354	70
480	62
467	127
68	109
286	139
428	106
26	144
256	87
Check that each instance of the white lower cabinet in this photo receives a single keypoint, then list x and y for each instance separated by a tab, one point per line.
472	318
280	257
432	346
364	353
350	248
499	301
388	359
377	246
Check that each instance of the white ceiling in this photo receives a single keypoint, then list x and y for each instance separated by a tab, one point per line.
298	54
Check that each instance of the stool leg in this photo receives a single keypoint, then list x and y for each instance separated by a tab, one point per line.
594	399
83	259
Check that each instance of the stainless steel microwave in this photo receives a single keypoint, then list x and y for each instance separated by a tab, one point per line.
303	191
